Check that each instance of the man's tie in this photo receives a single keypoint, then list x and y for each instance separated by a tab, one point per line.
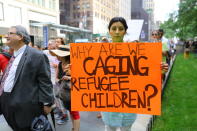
5	75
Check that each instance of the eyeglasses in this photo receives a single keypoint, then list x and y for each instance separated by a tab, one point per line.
11	33
154	34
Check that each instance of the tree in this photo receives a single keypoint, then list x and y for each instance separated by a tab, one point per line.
183	24
170	26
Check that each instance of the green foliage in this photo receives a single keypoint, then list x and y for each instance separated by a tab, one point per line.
179	101
169	26
184	24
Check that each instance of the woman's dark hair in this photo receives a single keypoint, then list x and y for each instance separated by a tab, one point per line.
67	58
118	19
62	40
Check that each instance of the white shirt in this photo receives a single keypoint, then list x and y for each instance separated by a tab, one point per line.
8	85
52	60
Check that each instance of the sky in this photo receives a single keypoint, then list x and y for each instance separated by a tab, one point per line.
164	7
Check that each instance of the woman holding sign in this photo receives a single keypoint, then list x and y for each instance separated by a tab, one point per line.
114	120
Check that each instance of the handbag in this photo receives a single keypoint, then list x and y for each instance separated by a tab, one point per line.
41	123
65	93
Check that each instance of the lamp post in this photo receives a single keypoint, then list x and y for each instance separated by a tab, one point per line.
149	11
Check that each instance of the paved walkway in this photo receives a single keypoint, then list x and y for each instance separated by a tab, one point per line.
89	122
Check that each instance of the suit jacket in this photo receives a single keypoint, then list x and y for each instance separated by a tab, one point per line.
32	87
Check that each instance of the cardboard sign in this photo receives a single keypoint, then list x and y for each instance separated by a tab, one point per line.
116	77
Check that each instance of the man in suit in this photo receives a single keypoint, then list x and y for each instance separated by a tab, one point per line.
26	87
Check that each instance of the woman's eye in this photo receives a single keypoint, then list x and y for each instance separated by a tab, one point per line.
121	29
114	28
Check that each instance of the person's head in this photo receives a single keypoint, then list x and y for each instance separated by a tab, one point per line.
104	39
59	41
17	36
117	28
154	34
62	53
38	47
160	33
51	44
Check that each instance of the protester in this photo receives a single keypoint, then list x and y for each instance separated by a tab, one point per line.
104	40
186	49
63	55
52	60
113	120
165	52
154	36
116	120
59	41
61	113
26	88
172	48
38	47
165	45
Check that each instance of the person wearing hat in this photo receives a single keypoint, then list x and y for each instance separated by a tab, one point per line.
63	55
61	112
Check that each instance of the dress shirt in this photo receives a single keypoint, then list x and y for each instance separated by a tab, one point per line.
8	86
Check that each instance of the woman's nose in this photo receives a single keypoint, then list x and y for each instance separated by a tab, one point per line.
117	30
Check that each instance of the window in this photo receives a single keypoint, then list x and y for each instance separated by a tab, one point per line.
74	7
86	5
74	16
35	1
88	13
78	15
89	22
40	2
43	3
53	4
78	6
15	15
1	12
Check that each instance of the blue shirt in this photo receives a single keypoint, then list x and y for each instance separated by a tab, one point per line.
118	119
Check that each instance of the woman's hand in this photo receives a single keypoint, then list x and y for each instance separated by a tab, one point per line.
67	69
164	67
66	77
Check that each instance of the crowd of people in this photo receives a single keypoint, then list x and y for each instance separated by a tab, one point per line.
35	81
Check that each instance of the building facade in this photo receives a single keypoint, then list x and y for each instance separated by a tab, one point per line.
94	15
157	25
137	12
27	12
149	6
125	9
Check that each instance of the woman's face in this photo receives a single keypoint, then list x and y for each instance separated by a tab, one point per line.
117	32
154	35
58	42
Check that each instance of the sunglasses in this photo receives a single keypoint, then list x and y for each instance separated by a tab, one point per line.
154	34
